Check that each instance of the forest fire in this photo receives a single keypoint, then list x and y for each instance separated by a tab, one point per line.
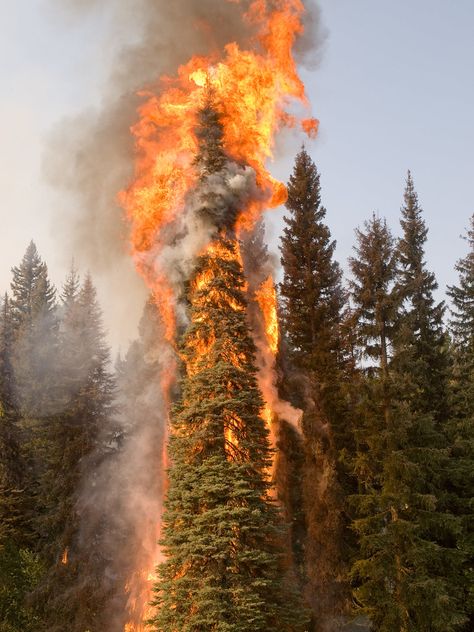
250	92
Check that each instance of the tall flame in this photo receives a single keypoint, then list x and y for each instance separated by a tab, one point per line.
253	91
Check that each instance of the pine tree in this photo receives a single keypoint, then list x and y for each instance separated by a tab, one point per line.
401	577
20	568
220	529
35	324
312	297
75	444
462	329
312	307
422	347
11	465
31	290
461	427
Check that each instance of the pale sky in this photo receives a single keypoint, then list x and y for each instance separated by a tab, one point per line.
394	91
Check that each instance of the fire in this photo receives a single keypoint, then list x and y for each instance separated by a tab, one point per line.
65	555
266	298
253	91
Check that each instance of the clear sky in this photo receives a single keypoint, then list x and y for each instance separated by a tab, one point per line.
394	90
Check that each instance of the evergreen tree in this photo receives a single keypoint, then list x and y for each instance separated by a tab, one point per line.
421	347
312	297
76	442
312	308
401	579
11	466
462	329
31	290
221	534
461	427
35	324
20	568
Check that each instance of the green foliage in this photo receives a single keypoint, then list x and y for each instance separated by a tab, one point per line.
372	290
405	576
221	532
74	442
461	427
312	313
312	297
421	341
20	571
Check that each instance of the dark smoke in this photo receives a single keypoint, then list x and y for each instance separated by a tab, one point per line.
90	158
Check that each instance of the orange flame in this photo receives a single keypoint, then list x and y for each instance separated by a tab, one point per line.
253	90
266	298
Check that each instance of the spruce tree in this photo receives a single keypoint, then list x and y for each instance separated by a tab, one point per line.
461	426
422	346
401	578
312	307
11	462
31	289
420	369
75	444
220	532
35	322
20	568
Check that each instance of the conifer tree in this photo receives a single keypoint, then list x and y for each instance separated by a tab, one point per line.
221	533
20	568
11	462
31	290
75	444
461	427
422	347
401	578
312	297
33	307
312	306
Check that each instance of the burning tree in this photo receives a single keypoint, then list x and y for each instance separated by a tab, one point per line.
201	182
221	531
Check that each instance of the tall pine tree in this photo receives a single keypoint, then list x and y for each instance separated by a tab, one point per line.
422	346
312	306
35	322
221	531
76	441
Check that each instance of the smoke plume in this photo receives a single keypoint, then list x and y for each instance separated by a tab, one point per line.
90	159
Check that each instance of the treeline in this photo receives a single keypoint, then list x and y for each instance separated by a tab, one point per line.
56	405
376	489
385	376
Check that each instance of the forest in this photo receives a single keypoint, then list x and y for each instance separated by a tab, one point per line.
361	517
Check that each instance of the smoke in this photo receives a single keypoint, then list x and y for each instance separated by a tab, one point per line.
89	159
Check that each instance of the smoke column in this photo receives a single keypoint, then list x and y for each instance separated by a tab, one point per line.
173	212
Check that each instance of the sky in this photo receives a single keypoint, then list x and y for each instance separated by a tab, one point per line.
393	91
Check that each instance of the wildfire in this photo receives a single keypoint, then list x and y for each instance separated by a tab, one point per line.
253	90
266	298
